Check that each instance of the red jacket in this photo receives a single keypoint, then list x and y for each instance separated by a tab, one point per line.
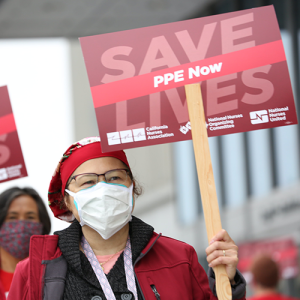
172	266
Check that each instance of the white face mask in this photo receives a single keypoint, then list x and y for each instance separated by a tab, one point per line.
105	207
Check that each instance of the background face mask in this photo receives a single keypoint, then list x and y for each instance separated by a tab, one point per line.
15	236
104	207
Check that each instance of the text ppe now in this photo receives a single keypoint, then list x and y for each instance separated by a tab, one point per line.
178	76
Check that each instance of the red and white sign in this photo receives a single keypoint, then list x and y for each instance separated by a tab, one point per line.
137	78
12	165
283	251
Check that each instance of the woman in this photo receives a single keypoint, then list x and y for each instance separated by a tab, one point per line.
106	253
22	214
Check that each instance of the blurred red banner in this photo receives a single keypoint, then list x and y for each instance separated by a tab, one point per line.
12	165
283	251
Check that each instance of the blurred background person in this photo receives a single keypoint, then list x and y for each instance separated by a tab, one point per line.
22	214
265	278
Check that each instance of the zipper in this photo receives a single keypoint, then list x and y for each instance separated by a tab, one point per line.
138	259
43	281
153	288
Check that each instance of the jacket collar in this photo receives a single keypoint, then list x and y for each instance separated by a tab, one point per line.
140	234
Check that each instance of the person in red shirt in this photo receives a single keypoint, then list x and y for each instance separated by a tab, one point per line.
266	275
22	214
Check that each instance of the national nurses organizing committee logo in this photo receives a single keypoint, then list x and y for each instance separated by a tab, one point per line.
258	117
126	136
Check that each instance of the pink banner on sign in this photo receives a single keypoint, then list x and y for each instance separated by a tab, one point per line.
12	165
137	78
7	124
209	68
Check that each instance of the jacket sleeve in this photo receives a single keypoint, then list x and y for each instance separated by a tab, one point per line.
238	289
207	284
19	286
200	284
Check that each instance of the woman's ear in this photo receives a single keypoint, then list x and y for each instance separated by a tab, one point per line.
70	206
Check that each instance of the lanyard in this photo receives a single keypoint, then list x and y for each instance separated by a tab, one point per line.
100	273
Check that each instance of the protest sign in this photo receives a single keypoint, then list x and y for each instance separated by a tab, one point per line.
12	165
137	78
145	85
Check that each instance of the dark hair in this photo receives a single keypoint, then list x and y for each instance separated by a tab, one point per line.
7	197
265	271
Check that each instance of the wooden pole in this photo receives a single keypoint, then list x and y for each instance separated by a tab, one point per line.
206	180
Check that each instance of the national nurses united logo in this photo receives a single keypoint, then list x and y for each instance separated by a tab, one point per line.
271	115
258	117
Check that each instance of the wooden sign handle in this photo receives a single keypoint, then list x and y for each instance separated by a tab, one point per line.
206	180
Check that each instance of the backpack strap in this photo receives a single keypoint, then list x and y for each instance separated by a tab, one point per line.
54	278
42	252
